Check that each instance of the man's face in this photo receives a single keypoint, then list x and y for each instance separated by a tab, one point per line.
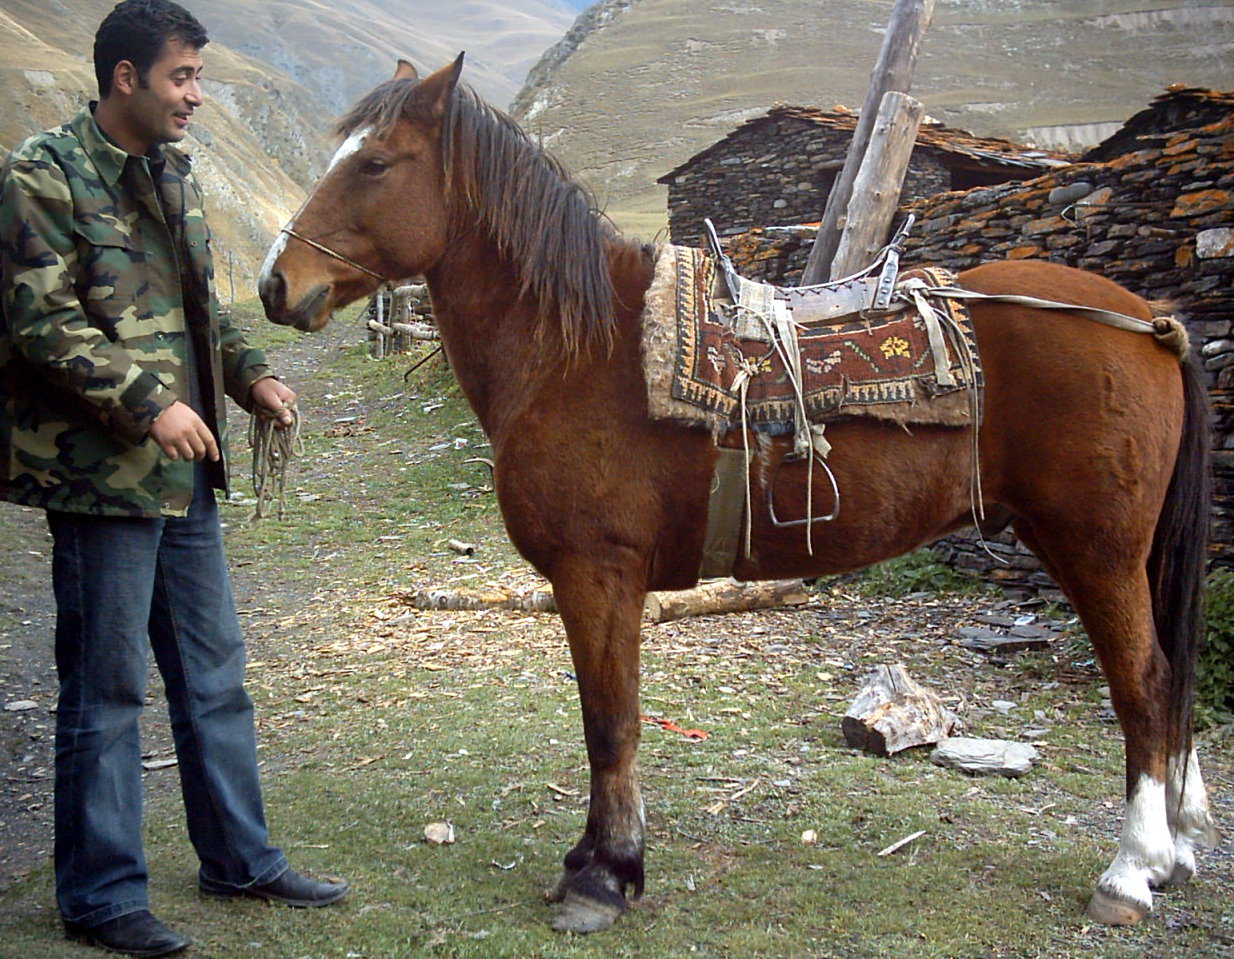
159	110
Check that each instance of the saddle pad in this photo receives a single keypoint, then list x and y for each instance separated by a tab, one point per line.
884	367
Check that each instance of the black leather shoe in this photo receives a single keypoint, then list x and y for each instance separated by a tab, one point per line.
135	934
291	889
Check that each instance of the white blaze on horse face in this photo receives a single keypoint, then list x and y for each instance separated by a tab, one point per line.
276	250
1146	852
349	146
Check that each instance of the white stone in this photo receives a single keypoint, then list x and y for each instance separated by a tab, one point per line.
1214	243
985	757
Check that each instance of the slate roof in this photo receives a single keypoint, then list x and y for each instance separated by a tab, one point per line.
984	151
1180	108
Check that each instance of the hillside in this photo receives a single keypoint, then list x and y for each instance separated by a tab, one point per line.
639	86
342	50
276	73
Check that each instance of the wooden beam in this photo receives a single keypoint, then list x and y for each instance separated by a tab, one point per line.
893	71
876	190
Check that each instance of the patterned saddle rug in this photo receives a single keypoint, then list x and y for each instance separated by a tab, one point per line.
708	352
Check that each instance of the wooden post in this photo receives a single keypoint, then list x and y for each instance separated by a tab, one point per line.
892	72
876	189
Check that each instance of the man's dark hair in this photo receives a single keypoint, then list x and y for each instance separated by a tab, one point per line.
136	31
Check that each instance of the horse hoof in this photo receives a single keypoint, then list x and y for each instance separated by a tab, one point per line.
579	914
1183	871
1110	911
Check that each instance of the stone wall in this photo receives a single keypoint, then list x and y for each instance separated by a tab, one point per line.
1159	221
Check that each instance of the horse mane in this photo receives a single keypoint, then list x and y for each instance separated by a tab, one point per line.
544	222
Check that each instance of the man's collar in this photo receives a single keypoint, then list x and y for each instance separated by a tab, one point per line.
108	158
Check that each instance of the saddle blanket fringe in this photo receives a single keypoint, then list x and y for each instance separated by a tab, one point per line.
701	353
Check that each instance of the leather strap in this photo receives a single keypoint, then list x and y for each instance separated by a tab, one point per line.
1118	320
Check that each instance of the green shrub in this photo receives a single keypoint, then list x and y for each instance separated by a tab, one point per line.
916	572
1214	686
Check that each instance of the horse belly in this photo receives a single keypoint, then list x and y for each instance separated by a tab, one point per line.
898	489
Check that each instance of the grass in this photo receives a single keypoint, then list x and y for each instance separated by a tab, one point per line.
376	720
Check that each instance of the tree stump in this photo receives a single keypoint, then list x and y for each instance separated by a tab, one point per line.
892	713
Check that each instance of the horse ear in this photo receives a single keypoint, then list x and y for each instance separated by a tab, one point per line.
405	71
441	84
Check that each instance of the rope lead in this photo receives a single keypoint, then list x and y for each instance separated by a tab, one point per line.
273	449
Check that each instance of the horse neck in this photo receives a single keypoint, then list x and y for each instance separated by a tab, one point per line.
498	349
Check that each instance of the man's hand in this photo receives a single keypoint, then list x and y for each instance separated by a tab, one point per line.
273	400
180	432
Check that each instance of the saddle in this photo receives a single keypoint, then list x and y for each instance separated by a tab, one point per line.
726	352
733	355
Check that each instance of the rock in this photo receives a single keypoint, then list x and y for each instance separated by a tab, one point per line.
20	705
1063	195
985	757
990	641
1215	243
439	833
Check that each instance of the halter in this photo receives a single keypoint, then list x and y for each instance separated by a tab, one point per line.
338	256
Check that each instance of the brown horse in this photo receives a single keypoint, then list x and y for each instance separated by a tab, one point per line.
1093	445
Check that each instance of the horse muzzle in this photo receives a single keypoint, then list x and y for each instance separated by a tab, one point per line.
309	313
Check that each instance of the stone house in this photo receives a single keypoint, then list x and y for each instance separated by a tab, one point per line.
778	169
1155	213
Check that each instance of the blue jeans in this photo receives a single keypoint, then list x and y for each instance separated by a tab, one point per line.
124	586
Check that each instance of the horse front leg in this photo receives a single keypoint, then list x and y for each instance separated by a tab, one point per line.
601	606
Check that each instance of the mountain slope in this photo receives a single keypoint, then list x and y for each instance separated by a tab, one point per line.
639	86
276	72
342	50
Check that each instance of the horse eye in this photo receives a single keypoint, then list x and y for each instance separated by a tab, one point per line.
373	167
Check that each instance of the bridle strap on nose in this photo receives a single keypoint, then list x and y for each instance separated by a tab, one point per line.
338	256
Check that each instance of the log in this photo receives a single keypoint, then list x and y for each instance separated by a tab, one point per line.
718	596
723	596
876	191
416	331
892	712
415	292
527	600
892	71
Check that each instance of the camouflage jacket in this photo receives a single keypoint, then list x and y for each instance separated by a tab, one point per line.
94	317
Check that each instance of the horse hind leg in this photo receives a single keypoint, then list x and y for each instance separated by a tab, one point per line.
1112	597
1120	626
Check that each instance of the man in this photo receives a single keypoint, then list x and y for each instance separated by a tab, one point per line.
113	366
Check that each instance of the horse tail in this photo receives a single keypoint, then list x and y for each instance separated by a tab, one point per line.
1176	564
